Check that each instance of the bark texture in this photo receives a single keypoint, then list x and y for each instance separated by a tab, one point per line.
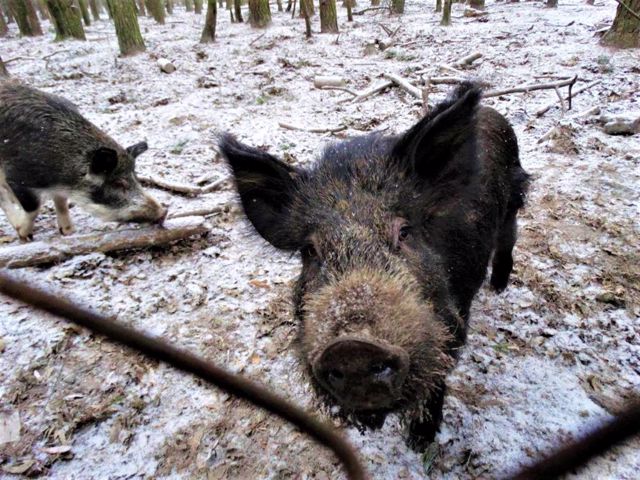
66	19
259	13
125	19
209	30
328	16
156	8
26	18
625	31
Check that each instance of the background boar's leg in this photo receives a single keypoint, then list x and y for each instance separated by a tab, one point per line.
16	214
423	431
62	214
502	258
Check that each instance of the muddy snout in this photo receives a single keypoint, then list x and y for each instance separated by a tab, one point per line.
362	374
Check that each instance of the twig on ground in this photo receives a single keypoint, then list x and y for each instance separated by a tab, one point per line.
58	249
15	59
288	126
213	186
257	38
404	84
169	186
201	212
363	95
57	52
544	110
532	87
370	9
466	61
562	105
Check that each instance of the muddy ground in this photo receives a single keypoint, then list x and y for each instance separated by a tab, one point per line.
554	355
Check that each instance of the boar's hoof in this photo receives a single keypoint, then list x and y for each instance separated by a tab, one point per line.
421	435
66	230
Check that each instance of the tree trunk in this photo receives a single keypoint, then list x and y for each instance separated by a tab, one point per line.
209	30
142	9
551	4
446	13
125	19
156	8
349	4
625	31
375	3
84	10
259	13
477	4
397	6
66	19
7	11
3	26
169	6
188	5
95	10
438	6
328	16
304	9
279	2
237	7
3	68
26	17
197	6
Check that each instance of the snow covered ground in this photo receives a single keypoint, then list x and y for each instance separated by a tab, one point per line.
554	355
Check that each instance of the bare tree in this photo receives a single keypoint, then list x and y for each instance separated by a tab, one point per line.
328	16
259	13
304	9
209	30
125	19
625	31
169	6
446	13
66	19
26	17
84	10
95	10
156	8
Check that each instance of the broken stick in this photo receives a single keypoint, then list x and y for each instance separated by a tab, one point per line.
59	249
544	110
288	126
569	82
404	84
179	188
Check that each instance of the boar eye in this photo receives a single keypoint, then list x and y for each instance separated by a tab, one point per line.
404	232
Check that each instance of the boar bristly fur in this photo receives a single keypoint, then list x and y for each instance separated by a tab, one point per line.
395	234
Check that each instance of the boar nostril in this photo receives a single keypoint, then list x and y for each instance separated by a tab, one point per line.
381	369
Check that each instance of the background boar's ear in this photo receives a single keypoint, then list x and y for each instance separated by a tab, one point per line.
103	160
446	134
266	188
137	149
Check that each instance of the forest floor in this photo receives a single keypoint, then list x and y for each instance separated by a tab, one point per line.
553	356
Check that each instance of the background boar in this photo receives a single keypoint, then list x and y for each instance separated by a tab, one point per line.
47	147
395	234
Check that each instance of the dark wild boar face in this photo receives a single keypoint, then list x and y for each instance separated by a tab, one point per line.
379	327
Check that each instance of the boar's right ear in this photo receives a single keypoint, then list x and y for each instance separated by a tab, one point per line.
266	188
137	149
103	160
436	144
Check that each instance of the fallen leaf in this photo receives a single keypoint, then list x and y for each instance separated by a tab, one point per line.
259	283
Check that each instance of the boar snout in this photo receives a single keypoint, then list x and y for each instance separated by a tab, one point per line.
362	374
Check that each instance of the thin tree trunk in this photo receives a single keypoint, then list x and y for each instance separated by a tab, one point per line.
328	16
304	9
625	31
156	8
438	6
279	3
197	6
95	11
188	5
209	30
259	13
26	17
551	4
446	13
237	7
349	4
397	6
477	4
309	6
66	19
3	68
84	10
3	26
125	19
169	6
7	11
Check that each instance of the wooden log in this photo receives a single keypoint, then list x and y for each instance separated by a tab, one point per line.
61	248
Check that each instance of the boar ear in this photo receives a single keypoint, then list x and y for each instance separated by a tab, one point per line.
433	143
266	188
137	149
103	160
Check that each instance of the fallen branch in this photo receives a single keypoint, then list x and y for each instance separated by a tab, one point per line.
180	188
530	88
544	110
404	84
328	81
201	212
370	9
342	89
288	126
466	61
362	96
59	249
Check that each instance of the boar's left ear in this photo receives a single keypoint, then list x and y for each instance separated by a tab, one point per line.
448	133
137	149
266	188
103	160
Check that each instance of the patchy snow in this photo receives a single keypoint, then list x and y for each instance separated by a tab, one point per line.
553	356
